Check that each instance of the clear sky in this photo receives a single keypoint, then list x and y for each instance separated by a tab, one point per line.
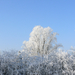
19	17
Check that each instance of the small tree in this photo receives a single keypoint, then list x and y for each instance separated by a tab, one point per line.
42	41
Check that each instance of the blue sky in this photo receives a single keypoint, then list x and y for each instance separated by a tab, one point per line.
19	17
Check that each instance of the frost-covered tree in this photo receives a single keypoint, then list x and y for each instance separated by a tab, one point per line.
42	41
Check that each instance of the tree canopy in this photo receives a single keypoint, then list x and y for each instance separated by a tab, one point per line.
42	41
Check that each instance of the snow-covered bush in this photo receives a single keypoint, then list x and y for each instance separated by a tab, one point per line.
56	63
59	63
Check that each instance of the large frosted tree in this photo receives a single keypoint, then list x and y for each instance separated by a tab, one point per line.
42	41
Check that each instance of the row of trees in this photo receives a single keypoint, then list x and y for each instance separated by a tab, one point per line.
58	63
39	56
